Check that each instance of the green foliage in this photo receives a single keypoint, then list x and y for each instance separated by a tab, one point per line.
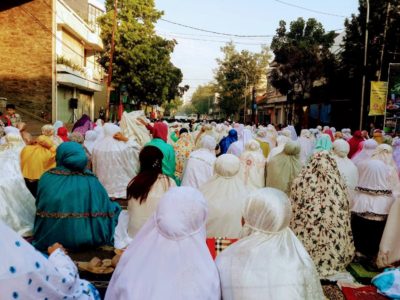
62	60
302	56
187	109
234	70
203	98
141	59
171	107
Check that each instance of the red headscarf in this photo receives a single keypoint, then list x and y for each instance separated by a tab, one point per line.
329	132
354	143
62	132
160	131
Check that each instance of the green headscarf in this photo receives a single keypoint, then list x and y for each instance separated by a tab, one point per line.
71	156
284	167
324	143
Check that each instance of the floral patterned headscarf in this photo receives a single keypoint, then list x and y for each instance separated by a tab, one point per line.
321	214
183	147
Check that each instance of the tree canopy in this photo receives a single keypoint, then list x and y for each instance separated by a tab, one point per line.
234	70
351	69
203	98
141	59
302	57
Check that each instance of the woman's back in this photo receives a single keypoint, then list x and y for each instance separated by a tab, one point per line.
138	212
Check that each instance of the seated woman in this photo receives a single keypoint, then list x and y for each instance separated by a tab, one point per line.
73	208
268	262
146	189
370	207
17	205
115	161
28	274
284	167
321	214
347	168
169	258
182	147
200	165
37	159
252	166
225	194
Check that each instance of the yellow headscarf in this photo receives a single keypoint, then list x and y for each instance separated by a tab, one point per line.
38	158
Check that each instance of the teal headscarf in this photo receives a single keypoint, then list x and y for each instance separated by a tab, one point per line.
323	143
72	156
73	208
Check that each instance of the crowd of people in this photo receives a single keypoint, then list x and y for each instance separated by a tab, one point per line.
297	208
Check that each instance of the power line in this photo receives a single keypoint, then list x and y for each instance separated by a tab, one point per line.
214	32
208	35
309	9
213	41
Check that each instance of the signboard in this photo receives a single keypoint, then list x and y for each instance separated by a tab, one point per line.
379	91
392	112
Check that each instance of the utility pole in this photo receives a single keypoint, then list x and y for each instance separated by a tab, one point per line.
384	40
110	68
245	99
364	68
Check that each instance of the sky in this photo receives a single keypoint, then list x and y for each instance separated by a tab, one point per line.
197	51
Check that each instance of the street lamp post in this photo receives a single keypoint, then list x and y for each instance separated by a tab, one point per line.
365	67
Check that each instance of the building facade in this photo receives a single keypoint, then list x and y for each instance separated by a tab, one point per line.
49	56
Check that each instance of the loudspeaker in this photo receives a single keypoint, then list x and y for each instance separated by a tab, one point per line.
73	103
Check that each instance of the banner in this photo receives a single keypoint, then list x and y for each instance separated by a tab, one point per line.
379	91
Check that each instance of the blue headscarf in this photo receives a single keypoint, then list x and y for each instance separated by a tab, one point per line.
324	143
228	140
70	155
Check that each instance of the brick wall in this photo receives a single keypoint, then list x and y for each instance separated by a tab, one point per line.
26	56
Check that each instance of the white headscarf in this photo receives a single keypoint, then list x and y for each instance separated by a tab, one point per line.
237	147
169	258
200	165
368	198
13	142
90	139
281	141
347	168
115	162
384	153
225	194
272	134
26	273
306	145
369	147
17	205
131	128
252	170
269	262
56	125
293	133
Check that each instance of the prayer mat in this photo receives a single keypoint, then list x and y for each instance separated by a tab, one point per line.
362	293
217	245
332	292
361	274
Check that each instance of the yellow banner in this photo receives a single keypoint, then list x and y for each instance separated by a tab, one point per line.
379	91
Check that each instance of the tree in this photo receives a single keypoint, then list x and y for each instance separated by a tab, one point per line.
141	59
236	69
383	13
171	107
302	57
203	98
